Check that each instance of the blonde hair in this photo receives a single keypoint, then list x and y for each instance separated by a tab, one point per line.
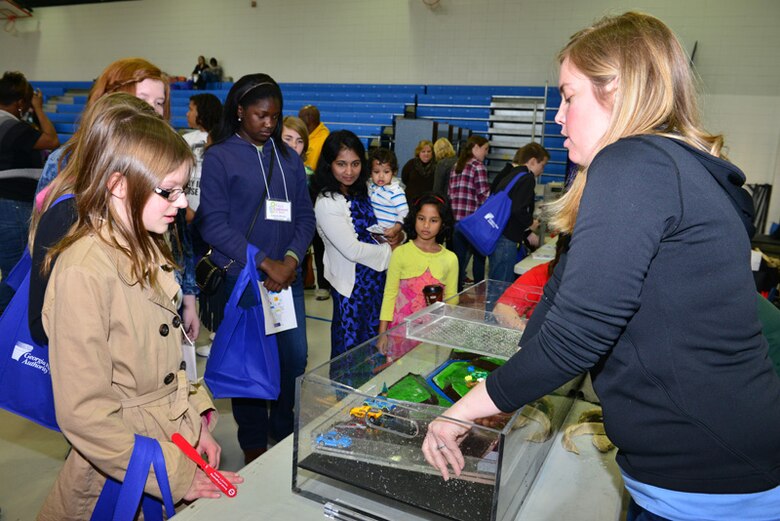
298	125
654	91
144	149
422	144
443	148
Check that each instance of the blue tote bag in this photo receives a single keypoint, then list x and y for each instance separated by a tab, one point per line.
25	381
484	227
244	361
119	501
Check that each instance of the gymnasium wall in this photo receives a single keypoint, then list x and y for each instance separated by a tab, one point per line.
500	42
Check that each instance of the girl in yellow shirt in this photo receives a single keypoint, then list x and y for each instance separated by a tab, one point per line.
421	262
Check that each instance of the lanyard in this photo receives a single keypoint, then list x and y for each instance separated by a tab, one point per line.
274	154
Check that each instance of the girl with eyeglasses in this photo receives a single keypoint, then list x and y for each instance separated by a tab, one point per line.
111	313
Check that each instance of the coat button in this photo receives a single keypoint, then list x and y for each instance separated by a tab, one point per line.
164	330
169	378
176	321
183	366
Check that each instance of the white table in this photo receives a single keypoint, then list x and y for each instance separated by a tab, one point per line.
543	254
587	487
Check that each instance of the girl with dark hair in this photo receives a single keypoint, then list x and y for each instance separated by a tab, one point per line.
355	262
468	190
203	115
253	190
419	263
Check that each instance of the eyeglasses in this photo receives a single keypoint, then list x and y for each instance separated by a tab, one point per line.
171	195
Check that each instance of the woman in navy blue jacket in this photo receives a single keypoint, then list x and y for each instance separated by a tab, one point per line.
656	298
248	166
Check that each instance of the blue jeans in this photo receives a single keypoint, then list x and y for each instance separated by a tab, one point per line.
257	419
503	260
464	251
637	513
14	226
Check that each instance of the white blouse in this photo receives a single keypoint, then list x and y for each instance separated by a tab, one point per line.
342	248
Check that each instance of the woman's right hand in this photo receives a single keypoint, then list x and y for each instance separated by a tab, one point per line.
280	273
203	487
37	101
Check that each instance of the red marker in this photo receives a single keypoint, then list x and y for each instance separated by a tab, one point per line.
214	475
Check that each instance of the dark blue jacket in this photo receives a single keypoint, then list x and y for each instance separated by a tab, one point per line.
657	299
231	189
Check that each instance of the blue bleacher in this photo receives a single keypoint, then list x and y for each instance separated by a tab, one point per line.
65	128
484	90
65	85
346	106
353	87
480	100
368	110
377	97
553	141
70	107
64	117
452	112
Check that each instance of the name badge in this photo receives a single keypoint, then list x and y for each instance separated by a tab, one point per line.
276	210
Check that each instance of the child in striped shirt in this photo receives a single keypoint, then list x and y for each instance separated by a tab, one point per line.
387	197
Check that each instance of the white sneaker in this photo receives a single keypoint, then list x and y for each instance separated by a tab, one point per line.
322	294
204	350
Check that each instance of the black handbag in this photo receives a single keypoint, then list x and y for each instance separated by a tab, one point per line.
209	276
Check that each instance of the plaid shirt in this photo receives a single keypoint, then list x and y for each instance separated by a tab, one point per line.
469	189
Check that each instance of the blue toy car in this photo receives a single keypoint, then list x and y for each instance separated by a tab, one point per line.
379	403
334	440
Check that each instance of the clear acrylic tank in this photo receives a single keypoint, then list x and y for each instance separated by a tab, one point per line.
361	419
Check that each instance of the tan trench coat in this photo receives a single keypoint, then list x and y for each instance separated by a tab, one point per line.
115	355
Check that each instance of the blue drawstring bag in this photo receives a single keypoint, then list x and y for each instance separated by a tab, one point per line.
119	501
484	227
244	361
25	380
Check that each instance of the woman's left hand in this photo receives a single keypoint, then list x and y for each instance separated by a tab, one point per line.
189	317
441	446
208	445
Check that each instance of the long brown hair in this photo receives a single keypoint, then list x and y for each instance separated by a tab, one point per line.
65	180
144	149
655	90
467	152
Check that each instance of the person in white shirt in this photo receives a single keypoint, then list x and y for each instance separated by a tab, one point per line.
204	113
